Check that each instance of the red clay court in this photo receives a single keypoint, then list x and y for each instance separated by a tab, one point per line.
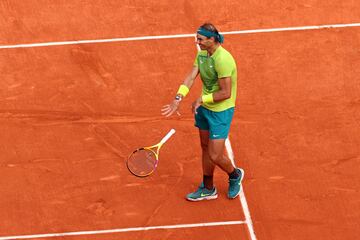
82	84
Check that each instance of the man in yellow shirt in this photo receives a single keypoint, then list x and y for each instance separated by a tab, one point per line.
214	110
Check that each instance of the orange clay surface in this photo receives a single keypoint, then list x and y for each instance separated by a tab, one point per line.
70	115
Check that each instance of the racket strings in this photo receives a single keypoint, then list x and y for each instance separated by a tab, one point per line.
142	162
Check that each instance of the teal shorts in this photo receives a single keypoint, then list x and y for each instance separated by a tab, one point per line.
217	123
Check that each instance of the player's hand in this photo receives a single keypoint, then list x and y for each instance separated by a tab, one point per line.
169	109
196	105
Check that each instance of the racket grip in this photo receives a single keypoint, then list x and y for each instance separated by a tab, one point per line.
170	133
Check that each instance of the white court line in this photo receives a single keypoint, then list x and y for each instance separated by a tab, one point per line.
122	230
243	201
48	44
248	220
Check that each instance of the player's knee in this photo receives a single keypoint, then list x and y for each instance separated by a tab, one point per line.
215	157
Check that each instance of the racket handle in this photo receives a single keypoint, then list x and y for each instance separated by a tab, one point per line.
170	133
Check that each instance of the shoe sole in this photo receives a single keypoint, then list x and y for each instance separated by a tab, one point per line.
242	177
203	198
210	197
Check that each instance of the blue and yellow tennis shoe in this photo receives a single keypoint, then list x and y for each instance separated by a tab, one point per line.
202	193
235	184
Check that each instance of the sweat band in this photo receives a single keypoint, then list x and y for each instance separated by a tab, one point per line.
207	98
209	34
183	90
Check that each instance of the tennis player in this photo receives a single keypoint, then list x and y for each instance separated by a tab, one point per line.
213	110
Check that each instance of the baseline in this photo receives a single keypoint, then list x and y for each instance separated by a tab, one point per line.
122	230
267	30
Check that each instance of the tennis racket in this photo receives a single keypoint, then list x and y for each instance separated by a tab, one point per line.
143	161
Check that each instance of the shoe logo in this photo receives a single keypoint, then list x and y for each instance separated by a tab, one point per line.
214	135
204	194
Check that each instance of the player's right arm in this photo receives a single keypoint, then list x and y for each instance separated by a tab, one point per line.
169	109
190	78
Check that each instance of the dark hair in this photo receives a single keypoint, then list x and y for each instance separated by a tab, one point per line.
210	27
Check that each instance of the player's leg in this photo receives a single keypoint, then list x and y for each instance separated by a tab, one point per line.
216	150
216	154
207	165
206	190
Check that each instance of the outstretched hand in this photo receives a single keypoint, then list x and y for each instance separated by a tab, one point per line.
169	109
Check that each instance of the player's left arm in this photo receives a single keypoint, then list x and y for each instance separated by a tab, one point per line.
224	91
225	68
